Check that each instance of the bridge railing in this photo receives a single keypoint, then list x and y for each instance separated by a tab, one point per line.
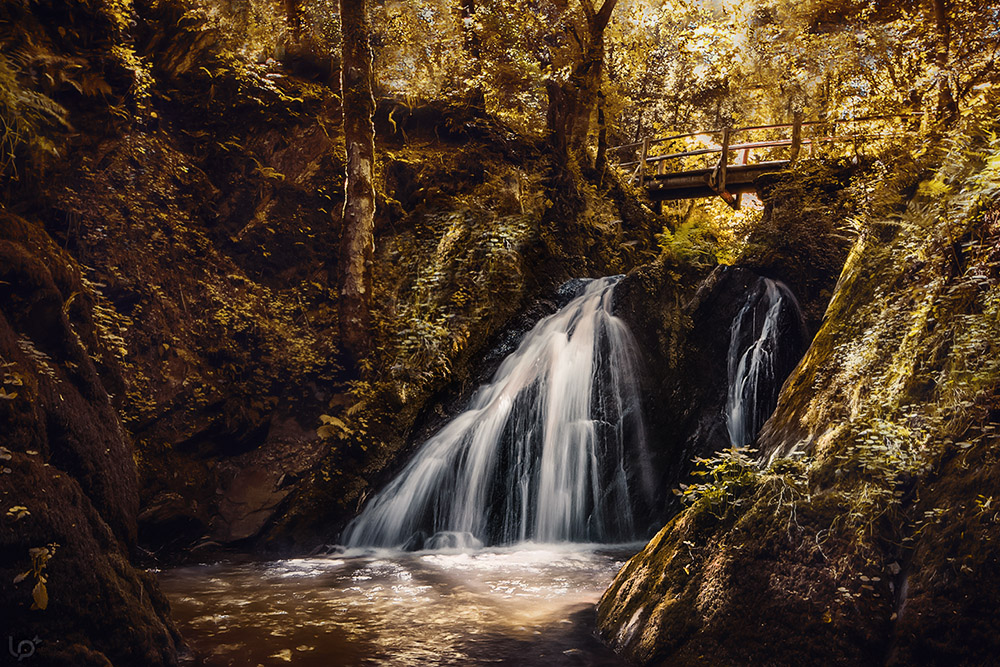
657	157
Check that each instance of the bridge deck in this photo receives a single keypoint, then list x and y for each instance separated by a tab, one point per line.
695	183
648	158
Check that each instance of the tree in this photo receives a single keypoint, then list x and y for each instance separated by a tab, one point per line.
572	100
357	238
946	108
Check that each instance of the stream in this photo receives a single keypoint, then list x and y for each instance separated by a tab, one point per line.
520	605
548	460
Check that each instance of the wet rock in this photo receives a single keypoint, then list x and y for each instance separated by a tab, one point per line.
170	521
415	542
70	475
254	484
681	318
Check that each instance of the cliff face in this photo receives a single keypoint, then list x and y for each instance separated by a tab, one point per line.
70	493
197	189
867	535
680	315
168	326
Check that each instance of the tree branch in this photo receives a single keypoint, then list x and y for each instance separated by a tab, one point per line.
603	15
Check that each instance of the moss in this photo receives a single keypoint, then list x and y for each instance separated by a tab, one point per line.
69	464
864	549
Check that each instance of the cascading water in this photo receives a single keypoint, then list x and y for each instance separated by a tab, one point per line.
551	450
764	345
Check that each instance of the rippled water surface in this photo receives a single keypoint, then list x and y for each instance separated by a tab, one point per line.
525	605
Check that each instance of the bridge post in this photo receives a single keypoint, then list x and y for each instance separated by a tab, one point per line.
642	161
724	160
796	136
716	179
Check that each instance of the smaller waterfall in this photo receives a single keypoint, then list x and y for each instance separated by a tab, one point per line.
764	343
552	449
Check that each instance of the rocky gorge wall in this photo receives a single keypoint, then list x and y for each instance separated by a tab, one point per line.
69	487
169	334
867	534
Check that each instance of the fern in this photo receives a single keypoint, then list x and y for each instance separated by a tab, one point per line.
24	115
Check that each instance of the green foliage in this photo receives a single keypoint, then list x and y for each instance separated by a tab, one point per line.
464	261
673	66
251	30
730	473
691	242
25	116
140	70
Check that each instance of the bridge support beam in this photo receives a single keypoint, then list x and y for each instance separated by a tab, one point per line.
717	179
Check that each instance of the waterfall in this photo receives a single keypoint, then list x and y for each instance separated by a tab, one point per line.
551	449
764	343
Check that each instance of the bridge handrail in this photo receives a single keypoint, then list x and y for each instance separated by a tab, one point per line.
716	177
778	126
777	143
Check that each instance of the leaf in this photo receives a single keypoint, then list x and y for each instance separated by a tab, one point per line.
327	432
21	577
333	421
354	409
41	596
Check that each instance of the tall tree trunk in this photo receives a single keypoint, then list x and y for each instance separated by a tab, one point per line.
357	237
601	162
293	18
946	108
475	96
571	105
470	37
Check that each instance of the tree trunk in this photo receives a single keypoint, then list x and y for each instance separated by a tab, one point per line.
572	102
475	97
357	236
469	35
601	162
293	18
946	108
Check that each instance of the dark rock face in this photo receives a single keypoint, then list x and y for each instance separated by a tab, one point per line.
868	534
69	487
82	435
684	333
800	239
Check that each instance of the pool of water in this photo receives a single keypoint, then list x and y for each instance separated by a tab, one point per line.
524	605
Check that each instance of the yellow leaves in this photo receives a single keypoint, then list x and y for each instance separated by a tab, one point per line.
40	596
40	557
18	512
934	188
333	427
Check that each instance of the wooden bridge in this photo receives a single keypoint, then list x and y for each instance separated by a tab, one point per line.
728	179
